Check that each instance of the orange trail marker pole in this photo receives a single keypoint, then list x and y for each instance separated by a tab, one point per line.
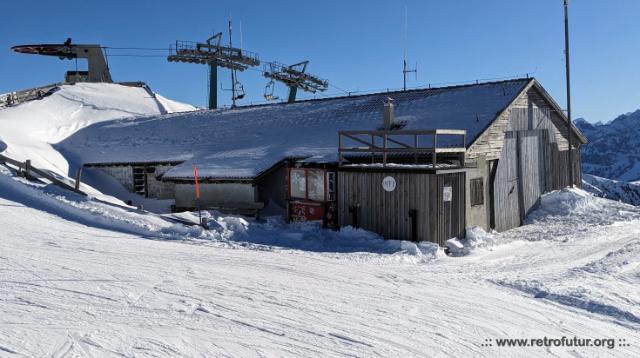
195	178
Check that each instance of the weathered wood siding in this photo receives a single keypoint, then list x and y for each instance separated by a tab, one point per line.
388	213
506	201
530	164
558	168
529	111
532	146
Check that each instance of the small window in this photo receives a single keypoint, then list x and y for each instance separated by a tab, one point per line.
477	191
316	185
298	183
312	184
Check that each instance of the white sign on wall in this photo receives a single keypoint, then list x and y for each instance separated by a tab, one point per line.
389	184
447	193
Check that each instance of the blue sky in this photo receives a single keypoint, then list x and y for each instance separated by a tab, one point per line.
357	45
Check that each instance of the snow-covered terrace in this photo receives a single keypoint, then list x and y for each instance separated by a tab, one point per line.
243	142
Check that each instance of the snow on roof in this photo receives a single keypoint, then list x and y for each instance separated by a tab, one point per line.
244	142
28	130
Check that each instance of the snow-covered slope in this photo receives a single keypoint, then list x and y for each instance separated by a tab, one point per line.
612	189
27	131
613	150
81	285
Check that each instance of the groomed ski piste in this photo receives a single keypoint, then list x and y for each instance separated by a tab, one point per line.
82	277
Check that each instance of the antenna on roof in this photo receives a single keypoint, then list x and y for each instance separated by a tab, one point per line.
405	70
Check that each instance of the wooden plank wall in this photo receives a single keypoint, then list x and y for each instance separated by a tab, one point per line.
506	189
387	213
558	164
450	215
532	146
530	110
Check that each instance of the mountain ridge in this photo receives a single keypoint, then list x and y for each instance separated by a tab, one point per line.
612	151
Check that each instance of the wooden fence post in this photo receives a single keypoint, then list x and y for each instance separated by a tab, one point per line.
78	176
27	166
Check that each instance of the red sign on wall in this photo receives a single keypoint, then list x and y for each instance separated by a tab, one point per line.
306	211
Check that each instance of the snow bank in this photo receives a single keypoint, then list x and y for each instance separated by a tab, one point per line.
84	210
359	244
226	231
475	237
29	129
570	205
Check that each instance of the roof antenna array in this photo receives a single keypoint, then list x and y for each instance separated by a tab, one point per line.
295	76
405	70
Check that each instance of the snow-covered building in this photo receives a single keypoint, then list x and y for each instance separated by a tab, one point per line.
470	155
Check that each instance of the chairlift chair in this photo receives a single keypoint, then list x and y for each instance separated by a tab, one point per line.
239	90
269	90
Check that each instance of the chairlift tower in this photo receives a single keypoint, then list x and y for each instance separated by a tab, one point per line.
294	77
98	69
215	55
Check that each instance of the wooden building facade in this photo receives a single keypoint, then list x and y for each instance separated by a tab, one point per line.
508	146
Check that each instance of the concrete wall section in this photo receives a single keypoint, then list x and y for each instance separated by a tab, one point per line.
478	215
216	195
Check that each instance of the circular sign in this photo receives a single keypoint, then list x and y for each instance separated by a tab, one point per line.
389	184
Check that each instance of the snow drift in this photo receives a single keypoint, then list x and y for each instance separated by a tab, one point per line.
29	130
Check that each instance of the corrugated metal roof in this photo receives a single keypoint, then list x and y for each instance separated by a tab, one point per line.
245	141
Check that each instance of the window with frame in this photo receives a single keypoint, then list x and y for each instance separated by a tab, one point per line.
477	191
312	184
298	183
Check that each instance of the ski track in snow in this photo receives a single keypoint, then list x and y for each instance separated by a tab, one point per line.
67	289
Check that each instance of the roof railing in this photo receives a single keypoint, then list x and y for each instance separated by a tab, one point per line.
392	144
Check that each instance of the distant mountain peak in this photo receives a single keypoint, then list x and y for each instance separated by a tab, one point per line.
613	150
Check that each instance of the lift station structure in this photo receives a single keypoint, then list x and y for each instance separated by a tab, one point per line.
294	77
98	69
214	54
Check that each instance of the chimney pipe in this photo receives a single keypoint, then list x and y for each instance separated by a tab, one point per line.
389	116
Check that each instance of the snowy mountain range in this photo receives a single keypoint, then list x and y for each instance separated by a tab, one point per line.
612	189
612	151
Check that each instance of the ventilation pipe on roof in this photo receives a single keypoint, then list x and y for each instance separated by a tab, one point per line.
389	116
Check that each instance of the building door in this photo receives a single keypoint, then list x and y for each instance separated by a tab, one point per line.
506	196
520	177
531	152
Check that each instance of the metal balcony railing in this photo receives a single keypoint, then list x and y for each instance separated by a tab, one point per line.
389	145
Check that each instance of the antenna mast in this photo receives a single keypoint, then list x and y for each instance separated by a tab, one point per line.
405	70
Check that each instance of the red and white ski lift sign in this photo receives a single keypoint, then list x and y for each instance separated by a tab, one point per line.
447	193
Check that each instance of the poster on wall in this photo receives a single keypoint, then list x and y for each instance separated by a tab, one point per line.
447	193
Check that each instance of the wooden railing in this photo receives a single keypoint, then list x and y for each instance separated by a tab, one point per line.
383	143
28	170
17	97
